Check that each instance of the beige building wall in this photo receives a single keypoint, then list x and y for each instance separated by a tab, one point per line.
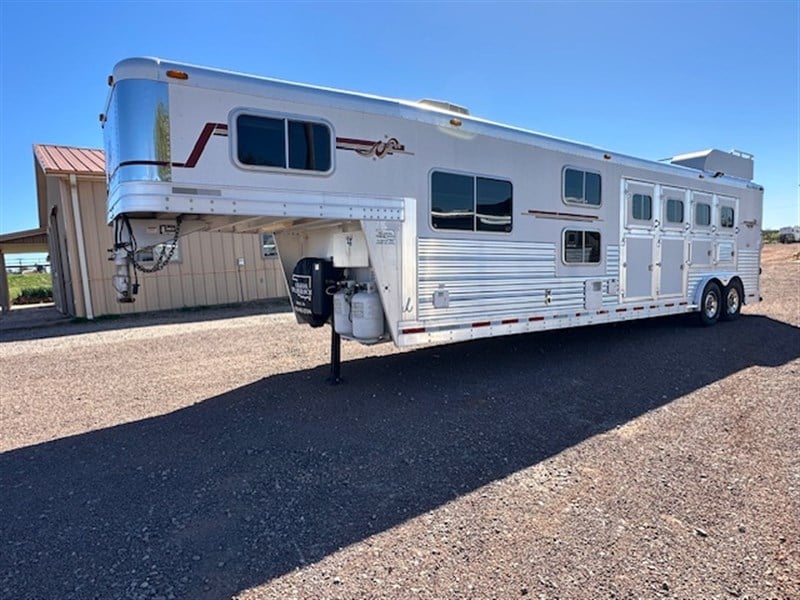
206	274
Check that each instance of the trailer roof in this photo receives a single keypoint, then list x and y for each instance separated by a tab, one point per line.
207	77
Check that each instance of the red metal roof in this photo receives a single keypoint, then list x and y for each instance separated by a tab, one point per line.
67	160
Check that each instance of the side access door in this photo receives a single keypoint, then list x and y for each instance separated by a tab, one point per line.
672	243
639	226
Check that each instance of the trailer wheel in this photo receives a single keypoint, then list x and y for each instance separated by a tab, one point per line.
710	304
732	302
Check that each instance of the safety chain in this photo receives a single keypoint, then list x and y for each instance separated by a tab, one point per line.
164	258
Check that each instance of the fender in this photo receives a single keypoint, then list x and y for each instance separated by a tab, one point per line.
724	278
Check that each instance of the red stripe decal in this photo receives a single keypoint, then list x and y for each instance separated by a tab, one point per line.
509	321
671	304
621	309
638	308
200	145
602	312
536	319
414	330
653	306
482	324
682	303
341	140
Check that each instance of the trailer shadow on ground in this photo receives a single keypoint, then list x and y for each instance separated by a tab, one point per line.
249	485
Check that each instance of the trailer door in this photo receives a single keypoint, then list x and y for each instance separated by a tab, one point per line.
672	243
639	224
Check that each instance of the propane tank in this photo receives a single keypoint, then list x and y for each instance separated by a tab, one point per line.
367	314
342	319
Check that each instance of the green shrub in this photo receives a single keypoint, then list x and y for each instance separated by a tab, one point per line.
37	293
19	284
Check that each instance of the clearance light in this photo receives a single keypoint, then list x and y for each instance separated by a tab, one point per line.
177	74
455	122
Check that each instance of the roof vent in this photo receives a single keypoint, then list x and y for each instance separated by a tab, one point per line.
734	163
443	105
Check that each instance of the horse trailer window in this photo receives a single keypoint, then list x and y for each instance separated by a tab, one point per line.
674	211
581	247
726	216
581	187
493	205
309	146
261	141
702	214
469	203
270	142
642	207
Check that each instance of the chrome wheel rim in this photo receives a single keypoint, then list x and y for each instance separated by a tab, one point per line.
711	305
733	301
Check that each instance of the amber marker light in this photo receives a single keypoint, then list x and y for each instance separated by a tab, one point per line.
177	74
455	122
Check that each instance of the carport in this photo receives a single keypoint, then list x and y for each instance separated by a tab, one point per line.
19	242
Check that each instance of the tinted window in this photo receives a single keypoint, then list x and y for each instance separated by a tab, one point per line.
309	146
452	201
581	246
592	195
261	141
674	211
581	187
470	203
642	207
573	185
493	209
726	216
702	214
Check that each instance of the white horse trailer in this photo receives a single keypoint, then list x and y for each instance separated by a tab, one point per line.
416	222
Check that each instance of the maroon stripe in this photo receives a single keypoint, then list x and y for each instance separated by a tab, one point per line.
200	145
551	213
354	141
414	330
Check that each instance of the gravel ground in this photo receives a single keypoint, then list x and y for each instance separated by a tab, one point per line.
166	457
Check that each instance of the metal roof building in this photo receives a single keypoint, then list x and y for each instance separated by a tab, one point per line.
213	268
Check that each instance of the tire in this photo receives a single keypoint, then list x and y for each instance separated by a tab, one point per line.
710	304
731	302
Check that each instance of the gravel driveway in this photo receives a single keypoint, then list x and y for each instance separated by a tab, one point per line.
165	457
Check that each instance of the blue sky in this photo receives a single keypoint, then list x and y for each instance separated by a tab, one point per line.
646	79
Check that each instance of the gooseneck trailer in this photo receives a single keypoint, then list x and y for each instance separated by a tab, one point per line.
416	222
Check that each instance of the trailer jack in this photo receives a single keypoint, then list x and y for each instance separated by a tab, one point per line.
335	378
125	286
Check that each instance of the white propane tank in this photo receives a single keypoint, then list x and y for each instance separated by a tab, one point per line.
342	321
367	314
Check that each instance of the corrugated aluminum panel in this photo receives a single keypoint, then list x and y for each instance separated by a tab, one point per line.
487	279
749	264
612	272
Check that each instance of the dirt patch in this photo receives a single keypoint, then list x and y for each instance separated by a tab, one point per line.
208	459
